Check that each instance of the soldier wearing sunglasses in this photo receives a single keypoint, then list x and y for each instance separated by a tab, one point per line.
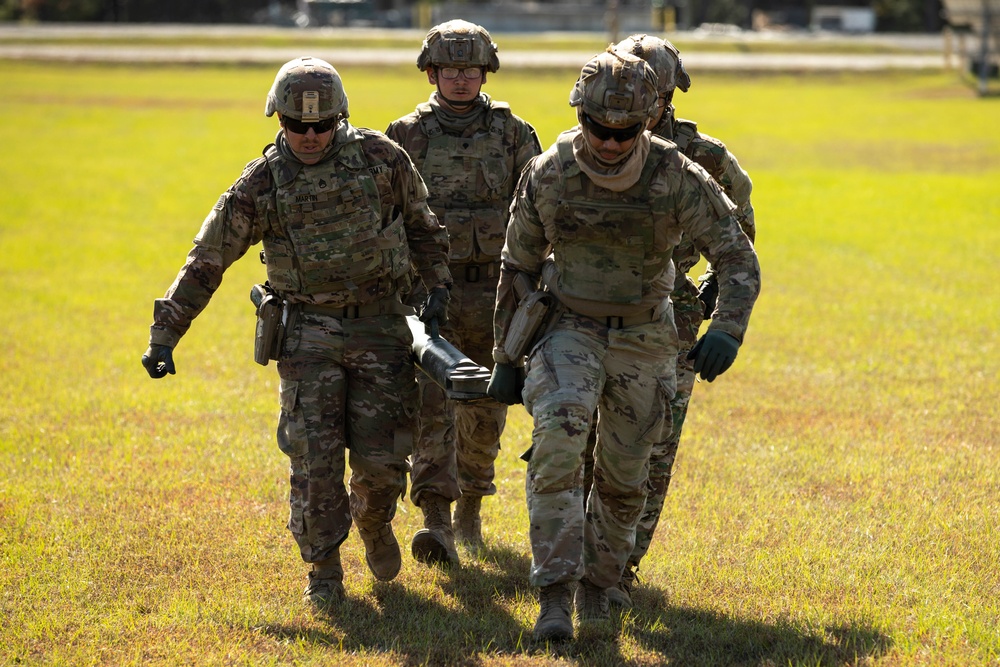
470	150
344	222
691	305
595	221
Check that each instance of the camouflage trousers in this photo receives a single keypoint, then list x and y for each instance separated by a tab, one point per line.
627	375
346	385
458	441
688	318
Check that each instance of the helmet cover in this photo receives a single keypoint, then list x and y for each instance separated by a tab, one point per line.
307	89
662	56
616	88
461	44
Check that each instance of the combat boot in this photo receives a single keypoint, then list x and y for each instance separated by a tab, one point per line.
620	595
467	524
554	620
593	612
381	552
326	583
434	544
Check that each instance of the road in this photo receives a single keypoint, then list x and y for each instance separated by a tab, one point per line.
40	43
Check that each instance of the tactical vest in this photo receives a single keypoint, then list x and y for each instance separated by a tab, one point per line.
607	247
470	183
326	233
684	134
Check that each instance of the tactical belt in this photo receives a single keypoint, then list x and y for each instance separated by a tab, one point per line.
387	306
616	322
473	273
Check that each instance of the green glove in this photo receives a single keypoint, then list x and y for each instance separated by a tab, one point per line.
158	361
435	310
713	354
708	292
506	384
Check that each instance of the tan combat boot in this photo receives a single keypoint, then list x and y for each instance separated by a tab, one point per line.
467	524
434	544
620	595
326	583
593	613
554	620
381	552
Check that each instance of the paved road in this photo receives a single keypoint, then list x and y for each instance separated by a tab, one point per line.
16	42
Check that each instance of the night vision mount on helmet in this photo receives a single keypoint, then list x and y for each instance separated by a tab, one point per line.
615	88
307	89
459	44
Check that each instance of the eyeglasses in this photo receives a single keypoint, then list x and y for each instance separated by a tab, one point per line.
603	132
298	127
471	73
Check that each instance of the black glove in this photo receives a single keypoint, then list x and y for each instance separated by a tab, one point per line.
708	292
436	307
506	384
159	360
713	354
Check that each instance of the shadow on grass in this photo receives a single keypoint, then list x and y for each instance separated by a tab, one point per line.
473	619
688	636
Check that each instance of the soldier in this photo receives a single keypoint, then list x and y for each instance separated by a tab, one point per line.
596	219
692	305
470	150
344	221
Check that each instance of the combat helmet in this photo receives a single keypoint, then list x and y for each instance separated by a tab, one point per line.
615	88
663	57
458	43
307	89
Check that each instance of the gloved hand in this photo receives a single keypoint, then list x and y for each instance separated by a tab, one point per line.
158	361
436	307
713	354
708	292
506	384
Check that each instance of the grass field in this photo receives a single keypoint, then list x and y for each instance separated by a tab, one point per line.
836	499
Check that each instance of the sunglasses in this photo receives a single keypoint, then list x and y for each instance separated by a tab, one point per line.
298	127
470	73
603	132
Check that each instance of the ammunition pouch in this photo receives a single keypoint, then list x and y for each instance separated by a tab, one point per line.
531	320
270	333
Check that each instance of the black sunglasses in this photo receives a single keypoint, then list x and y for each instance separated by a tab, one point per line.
298	127
603	132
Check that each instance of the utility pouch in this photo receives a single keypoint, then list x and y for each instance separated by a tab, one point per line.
270	327
527	324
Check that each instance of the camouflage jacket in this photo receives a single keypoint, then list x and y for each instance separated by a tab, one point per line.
239	220
722	166
470	183
684	202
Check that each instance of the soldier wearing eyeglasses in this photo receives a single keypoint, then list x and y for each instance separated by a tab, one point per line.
594	222
470	150
344	222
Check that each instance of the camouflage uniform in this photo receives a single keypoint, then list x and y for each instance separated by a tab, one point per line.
470	162
606	256
689	310
340	238
471	179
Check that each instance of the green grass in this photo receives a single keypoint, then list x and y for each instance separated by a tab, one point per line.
835	501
